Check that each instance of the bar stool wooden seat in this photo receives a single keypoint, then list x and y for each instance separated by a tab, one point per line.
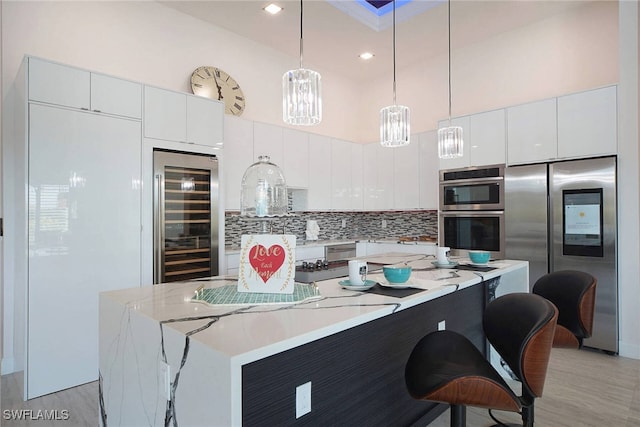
574	294
445	366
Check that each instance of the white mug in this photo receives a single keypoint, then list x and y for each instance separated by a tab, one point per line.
441	254
357	272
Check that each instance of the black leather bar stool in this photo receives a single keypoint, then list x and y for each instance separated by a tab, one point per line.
574	294
446	367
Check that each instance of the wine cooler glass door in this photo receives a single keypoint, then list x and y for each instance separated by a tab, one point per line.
186	225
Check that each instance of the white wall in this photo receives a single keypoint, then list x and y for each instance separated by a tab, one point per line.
568	53
629	179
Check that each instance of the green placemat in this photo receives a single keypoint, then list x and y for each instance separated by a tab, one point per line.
229	295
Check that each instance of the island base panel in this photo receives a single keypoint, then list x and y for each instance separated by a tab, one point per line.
357	376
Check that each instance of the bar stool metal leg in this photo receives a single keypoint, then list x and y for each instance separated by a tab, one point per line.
458	416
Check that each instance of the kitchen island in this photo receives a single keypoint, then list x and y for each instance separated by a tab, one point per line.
165	359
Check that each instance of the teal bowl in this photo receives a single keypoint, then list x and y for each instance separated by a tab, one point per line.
396	273
479	257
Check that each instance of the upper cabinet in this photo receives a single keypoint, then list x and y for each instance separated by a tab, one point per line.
296	157
319	164
587	123
488	138
72	87
532	132
428	176
406	183
238	156
341	164
175	116
484	140
579	125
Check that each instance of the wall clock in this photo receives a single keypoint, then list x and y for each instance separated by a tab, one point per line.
212	82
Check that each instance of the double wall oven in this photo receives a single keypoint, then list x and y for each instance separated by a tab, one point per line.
472	210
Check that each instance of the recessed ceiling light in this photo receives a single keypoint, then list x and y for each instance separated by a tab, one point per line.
366	55
272	8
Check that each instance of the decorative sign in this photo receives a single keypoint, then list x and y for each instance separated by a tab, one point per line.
267	263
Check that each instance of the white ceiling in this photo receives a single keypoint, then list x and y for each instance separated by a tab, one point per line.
333	39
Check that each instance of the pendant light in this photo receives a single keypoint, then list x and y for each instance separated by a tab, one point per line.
450	143
394	119
301	97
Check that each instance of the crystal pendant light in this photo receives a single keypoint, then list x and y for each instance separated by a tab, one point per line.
450	143
394	119
301	97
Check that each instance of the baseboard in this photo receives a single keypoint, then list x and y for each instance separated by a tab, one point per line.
631	351
8	365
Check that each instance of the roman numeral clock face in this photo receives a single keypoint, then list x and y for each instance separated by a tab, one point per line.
212	82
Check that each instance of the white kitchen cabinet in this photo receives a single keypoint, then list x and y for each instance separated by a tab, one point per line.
205	123
457	162
587	123
484	140
532	132
386	177
378	173
175	116
406	183
295	157
487	144
341	175
84	237
309	253
428	177
267	141
370	176
319	196
76	88
238	156
357	178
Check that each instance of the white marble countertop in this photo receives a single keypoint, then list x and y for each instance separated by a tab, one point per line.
248	333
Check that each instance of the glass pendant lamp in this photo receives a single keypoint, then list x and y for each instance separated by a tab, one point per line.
394	119
301	93
450	142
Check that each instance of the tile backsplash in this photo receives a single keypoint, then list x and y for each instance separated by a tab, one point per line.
371	225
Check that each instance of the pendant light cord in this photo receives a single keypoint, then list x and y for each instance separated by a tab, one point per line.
394	52
301	14
449	49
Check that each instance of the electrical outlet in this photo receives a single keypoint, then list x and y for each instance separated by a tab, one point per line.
303	399
344	223
165	378
441	325
384	223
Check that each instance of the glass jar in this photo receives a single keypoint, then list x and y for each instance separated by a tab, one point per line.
264	190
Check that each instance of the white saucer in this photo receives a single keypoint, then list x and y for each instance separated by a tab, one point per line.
478	264
387	284
346	284
451	264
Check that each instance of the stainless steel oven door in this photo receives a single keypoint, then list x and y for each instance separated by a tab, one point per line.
472	230
476	194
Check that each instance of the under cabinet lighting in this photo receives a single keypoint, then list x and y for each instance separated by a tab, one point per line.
366	55
272	8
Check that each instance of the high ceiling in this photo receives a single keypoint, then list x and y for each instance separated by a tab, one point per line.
337	31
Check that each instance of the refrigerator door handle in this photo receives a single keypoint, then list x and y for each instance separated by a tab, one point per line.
159	229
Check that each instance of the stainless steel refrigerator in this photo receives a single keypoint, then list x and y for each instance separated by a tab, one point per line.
186	222
562	216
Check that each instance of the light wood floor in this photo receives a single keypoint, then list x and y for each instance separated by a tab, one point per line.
583	388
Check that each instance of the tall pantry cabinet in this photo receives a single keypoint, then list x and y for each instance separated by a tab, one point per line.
83	197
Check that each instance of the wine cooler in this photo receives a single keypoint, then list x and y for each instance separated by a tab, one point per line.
186	216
